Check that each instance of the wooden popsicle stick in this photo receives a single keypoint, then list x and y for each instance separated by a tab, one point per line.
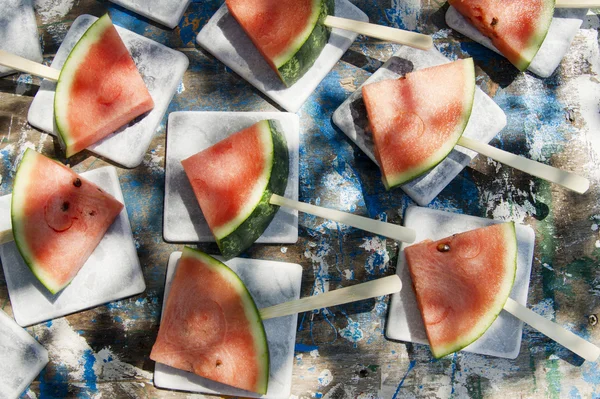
408	38
566	338
568	180
24	65
383	286
5	221
577	4
399	233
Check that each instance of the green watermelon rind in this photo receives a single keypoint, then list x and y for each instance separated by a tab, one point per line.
18	200
250	309
510	264
536	40
430	163
252	227
63	87
300	56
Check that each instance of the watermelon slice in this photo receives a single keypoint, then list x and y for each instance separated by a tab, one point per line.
58	218
417	120
462	283
233	181
517	28
288	33
99	89
211	326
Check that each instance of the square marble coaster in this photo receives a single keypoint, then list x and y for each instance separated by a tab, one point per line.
166	12
223	37
161	68
191	132
19	31
564	27
487	119
269	283
22	358
404	323
112	272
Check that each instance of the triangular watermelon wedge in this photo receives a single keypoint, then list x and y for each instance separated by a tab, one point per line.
99	89
462	283
211	326
288	33
233	181
58	218
417	120
516	28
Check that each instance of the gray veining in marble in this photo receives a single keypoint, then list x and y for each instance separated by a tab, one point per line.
224	38
161	68
191	132
564	27
487	119
19	31
269	283
22	358
404	323
112	272
166	12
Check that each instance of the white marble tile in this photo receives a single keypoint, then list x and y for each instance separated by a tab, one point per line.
269	283
191	132
564	27
22	358
19	31
166	12
487	119
112	272
404	323
225	39
161	68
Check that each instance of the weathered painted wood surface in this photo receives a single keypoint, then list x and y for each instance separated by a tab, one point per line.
341	352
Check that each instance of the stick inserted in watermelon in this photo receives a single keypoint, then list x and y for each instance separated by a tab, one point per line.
211	326
239	183
516	28
462	283
415	125
290	34
58	218
99	88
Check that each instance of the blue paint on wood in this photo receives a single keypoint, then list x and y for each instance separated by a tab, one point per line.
305	348
89	374
55	386
411	365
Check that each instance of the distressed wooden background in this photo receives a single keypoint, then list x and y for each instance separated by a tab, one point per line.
341	352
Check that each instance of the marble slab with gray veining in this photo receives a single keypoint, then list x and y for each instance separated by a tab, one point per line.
269	283
223	37
564	27
404	322
19	31
21	358
487	120
112	272
191	132
166	12
161	68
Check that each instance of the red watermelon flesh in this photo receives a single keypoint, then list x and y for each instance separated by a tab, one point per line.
517	28
417	120
58	218
211	326
462	283
99	89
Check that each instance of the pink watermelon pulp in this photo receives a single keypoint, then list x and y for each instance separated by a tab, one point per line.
516	28
462	283
288	33
58	218
211	326
233	181
417	120
99	89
